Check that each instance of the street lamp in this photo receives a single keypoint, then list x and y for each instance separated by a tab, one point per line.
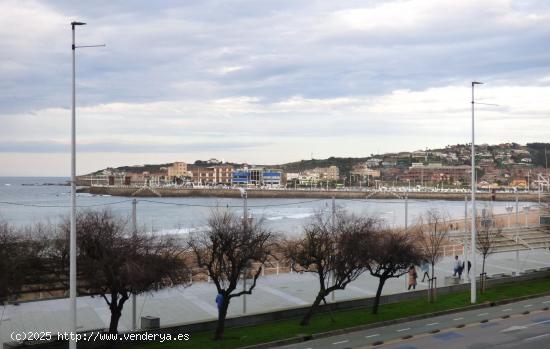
473	285
72	237
72	263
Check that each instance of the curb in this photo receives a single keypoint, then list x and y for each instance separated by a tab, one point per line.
304	338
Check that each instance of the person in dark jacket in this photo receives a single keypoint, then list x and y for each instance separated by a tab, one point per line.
219	300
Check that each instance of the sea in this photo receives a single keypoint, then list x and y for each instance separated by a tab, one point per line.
30	200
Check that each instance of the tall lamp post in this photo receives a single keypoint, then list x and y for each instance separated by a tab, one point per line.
473	284
72	237
72	266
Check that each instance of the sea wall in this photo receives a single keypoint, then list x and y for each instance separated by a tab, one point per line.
302	194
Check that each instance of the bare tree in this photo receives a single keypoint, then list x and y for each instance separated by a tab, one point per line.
11	263
487	238
392	255
20	261
336	251
227	250
433	232
114	264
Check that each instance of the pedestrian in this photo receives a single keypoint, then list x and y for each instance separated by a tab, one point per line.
460	270
412	277
456	266
425	267
469	267
219	300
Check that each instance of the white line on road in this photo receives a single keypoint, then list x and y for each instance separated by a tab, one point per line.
539	323
372	335
458	318
536	337
340	342
404	329
433	323
482	314
545	302
528	305
507	309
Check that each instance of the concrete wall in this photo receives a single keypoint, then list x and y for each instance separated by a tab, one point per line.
297	312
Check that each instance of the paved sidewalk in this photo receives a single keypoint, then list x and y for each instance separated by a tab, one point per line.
196	303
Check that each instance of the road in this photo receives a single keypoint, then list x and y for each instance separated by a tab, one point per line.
526	324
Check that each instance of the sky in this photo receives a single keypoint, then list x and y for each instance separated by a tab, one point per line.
266	82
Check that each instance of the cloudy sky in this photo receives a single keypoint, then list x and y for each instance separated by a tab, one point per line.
266	81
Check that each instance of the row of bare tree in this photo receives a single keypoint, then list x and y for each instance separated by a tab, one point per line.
115	262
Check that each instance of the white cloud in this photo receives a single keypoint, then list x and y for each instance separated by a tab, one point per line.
336	78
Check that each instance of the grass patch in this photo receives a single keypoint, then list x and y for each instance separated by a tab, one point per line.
243	336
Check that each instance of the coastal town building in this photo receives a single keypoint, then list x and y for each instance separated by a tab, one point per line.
211	175
331	173
177	170
364	171
257	176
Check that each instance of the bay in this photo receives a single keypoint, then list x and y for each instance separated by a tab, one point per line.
27	200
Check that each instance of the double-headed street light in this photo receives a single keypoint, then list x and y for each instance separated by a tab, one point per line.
72	247
474	212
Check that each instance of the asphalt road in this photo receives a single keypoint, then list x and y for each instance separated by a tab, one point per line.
474	329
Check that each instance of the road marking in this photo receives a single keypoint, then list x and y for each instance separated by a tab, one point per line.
404	329
507	309
545	302
433	323
539	323
513	328
482	314
372	335
536	337
528	305
340	342
458	318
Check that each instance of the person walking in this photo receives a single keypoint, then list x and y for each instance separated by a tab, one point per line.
425	267
456	266
219	300
412	277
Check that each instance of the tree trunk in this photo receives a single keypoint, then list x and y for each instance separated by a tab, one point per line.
222	313
431	285
482	288
378	293
312	309
115	317
116	311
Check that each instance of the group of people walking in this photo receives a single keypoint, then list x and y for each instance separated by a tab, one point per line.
458	269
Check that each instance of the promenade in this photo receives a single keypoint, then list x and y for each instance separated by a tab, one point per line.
196	303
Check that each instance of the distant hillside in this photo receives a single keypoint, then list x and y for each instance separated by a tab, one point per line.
540	153
344	164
